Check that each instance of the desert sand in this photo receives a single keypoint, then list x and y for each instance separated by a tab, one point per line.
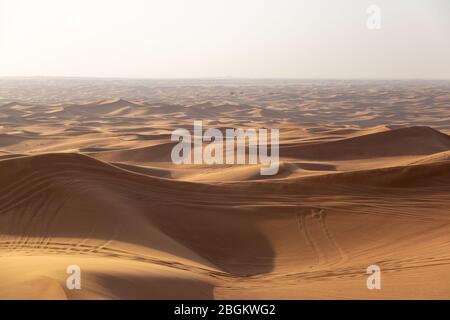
86	179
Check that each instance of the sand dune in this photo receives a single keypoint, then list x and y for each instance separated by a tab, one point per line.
422	175
76	207
440	156
145	170
114	107
396	142
86	179
155	153
8	139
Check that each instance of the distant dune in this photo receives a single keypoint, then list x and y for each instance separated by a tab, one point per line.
396	142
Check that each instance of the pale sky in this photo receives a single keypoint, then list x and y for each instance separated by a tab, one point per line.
224	38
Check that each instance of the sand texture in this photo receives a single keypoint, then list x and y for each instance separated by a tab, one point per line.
86	179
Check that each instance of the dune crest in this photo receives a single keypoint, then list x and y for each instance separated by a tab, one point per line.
396	142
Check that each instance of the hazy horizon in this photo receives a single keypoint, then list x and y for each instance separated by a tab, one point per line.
224	39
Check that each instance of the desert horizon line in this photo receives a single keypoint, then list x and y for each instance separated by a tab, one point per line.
9	77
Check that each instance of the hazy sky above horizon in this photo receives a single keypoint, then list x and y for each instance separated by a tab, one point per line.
224	38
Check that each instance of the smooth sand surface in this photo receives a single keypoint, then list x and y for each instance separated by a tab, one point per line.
86	179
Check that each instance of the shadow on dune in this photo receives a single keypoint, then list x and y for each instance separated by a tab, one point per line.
73	196
126	287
